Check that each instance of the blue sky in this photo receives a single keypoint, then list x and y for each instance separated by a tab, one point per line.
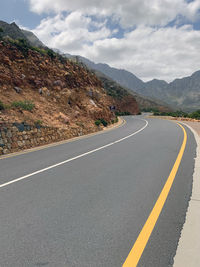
151	38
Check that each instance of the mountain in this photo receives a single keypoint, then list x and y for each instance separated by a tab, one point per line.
113	87
123	77
13	31
36	85
180	94
32	38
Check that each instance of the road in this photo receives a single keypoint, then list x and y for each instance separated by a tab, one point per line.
84	203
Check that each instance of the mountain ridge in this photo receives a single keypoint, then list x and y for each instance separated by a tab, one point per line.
181	93
13	31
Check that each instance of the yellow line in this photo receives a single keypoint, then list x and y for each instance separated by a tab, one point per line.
141	242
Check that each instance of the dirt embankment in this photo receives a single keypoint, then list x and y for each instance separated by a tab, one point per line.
64	94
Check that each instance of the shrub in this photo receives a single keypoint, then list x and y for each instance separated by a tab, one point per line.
51	53
123	113
195	115
97	122
26	105
2	106
23	46
38	123
105	123
101	121
39	50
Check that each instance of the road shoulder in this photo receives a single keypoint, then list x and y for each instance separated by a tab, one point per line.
189	244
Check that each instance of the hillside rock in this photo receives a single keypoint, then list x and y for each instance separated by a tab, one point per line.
60	90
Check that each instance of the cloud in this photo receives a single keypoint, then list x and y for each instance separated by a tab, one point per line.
163	53
146	44
72	32
127	13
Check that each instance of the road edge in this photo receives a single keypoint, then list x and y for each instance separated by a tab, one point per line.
120	123
187	253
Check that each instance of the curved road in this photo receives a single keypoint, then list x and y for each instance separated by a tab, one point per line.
84	203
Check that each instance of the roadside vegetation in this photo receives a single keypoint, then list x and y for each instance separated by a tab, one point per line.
25	105
179	113
124	113
101	121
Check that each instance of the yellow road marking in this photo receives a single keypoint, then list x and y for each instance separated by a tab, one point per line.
141	242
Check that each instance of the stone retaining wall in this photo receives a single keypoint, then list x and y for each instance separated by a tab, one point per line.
16	137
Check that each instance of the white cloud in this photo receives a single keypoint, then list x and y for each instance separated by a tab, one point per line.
128	13
151	50
165	53
71	33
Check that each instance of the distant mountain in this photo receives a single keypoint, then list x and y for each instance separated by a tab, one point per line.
123	77
115	78
115	89
13	31
32	38
180	94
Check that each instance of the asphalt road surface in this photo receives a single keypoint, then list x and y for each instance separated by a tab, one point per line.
84	203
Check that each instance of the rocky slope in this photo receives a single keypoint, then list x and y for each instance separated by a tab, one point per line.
63	94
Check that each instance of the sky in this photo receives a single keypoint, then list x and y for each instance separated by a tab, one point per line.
150	38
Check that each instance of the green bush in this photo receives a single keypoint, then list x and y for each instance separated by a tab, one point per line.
23	46
105	123
2	106
97	122
26	105
178	113
101	121
51	53
38	123
122	113
195	115
39	50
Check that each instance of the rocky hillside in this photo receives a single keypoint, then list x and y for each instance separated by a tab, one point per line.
39	86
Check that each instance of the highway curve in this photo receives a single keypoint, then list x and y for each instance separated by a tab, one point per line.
84	203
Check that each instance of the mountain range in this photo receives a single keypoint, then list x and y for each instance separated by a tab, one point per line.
181	93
